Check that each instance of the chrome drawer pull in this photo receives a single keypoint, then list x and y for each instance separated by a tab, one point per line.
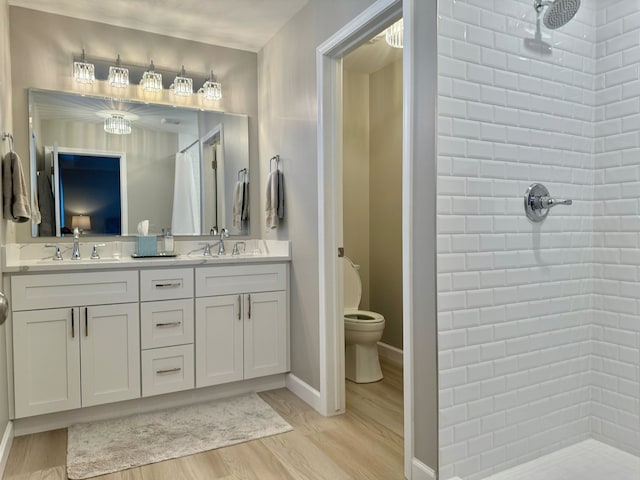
73	325
168	324
168	285
168	370
239	307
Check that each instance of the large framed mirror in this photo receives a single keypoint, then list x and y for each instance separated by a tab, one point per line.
105	164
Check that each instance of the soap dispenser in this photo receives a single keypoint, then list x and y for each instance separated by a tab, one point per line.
168	241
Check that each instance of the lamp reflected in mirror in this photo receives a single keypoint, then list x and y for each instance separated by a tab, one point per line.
83	222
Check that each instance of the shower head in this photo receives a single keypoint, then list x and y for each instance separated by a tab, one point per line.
559	12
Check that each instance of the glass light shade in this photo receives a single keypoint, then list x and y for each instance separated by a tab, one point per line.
118	76
182	86
117	124
151	81
83	222
394	34
211	90
84	72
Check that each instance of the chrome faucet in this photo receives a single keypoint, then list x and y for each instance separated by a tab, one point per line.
76	244
224	233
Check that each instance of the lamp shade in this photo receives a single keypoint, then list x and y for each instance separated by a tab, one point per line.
83	222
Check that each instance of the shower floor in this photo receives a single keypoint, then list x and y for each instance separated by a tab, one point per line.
588	460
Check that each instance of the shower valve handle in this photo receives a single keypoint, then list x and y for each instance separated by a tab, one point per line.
548	202
538	202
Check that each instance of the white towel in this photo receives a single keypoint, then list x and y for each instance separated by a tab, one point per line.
14	190
185	219
236	210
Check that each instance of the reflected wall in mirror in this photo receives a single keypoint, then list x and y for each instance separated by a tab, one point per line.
182	169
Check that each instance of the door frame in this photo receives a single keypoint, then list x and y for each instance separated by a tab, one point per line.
329	72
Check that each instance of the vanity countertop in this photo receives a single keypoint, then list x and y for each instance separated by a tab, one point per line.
35	257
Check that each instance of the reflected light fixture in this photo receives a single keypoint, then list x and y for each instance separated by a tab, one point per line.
118	75
151	80
211	90
117	124
182	86
84	72
394	34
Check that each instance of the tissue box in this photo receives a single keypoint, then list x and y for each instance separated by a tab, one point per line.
146	245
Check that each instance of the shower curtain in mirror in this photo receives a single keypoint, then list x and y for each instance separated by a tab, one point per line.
185	219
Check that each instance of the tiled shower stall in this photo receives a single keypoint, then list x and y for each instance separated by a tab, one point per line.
539	326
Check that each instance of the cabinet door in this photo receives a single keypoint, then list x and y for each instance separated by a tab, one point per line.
218	340
46	361
266	343
110	347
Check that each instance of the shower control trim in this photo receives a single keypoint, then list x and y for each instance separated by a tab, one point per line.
537	202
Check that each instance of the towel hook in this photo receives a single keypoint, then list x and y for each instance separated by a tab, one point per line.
8	136
277	159
242	173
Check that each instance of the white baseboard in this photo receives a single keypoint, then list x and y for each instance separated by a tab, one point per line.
5	446
389	353
53	421
419	471
303	390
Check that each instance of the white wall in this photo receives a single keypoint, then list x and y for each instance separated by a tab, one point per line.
514	303
615	407
288	127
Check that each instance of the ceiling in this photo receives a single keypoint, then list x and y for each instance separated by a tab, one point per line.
371	56
243	24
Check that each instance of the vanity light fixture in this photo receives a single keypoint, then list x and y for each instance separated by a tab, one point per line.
84	72
151	80
117	124
182	86
211	90
394	34
118	75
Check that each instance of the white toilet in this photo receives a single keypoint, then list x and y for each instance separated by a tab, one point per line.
362	331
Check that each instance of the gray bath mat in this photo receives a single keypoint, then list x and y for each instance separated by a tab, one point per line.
113	445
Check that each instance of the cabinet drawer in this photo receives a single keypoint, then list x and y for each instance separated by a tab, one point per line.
166	284
30	292
168	369
166	323
224	280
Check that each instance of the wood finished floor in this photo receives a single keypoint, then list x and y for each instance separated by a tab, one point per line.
364	443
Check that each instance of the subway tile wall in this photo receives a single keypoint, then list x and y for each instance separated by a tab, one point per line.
615	361
538	324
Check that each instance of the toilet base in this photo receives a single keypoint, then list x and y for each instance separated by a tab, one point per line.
362	364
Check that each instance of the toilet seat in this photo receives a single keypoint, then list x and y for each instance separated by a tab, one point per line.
360	319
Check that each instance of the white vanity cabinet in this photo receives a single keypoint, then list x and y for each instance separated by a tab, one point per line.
167	323
242	322
73	345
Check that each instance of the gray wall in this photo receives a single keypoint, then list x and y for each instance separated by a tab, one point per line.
5	125
355	171
385	194
43	60
288	127
421	70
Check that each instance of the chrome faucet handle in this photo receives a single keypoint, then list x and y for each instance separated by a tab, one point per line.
94	253
224	233
548	202
235	250
538	202
207	249
213	232
58	254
